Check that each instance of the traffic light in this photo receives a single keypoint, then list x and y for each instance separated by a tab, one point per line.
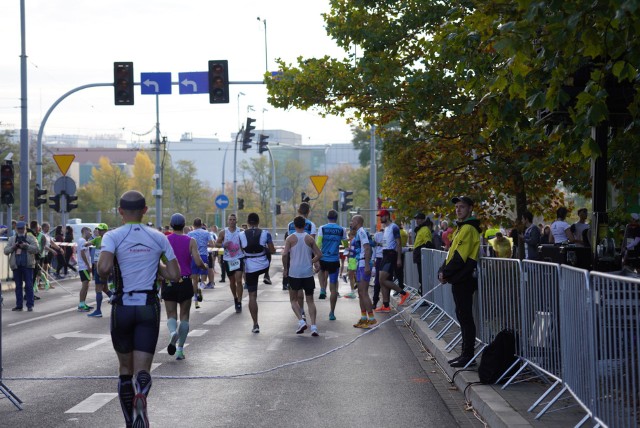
263	143
218	82
336	206
278	209
240	203
70	202
6	183
123	83
56	202
37	199
248	135
345	200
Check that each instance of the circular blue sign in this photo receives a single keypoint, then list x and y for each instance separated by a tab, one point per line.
222	202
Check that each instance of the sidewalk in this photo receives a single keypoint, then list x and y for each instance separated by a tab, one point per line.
498	407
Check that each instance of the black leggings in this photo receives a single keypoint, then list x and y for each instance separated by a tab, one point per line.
135	327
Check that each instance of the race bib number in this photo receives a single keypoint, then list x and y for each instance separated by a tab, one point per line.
234	265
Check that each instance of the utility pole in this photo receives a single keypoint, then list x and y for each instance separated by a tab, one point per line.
24	128
158	175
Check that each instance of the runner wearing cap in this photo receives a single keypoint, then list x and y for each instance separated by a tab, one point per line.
101	284
391	260
181	291
459	271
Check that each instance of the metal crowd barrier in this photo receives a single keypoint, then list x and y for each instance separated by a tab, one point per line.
616	317
576	329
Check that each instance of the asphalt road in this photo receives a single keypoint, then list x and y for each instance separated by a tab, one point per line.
378	380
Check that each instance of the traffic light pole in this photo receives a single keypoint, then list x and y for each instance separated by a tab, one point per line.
235	168
273	194
158	192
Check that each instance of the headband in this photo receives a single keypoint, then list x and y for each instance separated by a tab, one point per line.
132	205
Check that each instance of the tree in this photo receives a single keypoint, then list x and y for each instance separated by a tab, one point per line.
108	183
294	174
190	194
259	171
143	170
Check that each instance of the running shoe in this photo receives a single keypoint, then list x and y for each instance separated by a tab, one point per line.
179	355
209	286
351	295
84	308
95	314
403	298
372	322
171	349
238	308
322	295
344	278
267	281
382	309
222	280
140	419
302	326
332	317
197	306
314	331
361	324
255	329
199	295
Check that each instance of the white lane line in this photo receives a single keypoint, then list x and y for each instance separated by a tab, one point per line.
164	351
222	316
274	345
155	366
94	344
93	403
197	333
53	314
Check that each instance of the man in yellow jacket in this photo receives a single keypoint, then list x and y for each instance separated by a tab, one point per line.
459	270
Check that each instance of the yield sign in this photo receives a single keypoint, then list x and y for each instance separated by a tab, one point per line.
319	181
64	162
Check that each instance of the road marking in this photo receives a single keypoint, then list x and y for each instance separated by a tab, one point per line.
101	338
164	351
219	319
274	345
155	366
53	314
197	333
93	403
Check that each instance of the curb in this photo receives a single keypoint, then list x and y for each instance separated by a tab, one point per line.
491	406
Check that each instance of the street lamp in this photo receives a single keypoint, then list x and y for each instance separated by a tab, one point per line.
266	66
239	123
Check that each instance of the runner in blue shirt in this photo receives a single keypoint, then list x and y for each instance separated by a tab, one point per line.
329	237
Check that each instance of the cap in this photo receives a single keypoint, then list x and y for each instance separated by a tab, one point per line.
383	213
177	220
420	216
635	216
467	200
21	225
102	226
150	224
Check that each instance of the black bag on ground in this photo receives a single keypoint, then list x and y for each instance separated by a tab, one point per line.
497	357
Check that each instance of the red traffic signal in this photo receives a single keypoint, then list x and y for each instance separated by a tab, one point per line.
6	184
219	82
123	83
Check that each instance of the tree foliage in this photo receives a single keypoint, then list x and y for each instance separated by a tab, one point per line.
465	83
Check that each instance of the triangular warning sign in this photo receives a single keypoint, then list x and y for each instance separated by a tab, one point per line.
64	162
319	181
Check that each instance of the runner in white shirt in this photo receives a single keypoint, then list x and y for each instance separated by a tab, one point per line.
233	259
136	254
84	268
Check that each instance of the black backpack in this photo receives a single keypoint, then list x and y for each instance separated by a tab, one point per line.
497	357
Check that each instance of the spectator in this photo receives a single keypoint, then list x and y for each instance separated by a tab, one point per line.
501	246
560	229
446	233
580	229
424	239
531	237
631	242
545	238
21	249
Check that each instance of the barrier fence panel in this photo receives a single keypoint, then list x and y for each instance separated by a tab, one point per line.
410	276
576	339
539	345
616	313
499	297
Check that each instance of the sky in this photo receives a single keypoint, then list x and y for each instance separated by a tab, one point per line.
70	43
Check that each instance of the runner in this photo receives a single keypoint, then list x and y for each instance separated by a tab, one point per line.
301	256
180	292
203	239
363	273
391	260
329	237
101	284
304	209
256	243
84	268
352	264
135	253
233	259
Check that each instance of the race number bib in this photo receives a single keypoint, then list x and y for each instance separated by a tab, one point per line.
234	265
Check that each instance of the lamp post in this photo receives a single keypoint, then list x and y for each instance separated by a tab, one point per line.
266	65
239	123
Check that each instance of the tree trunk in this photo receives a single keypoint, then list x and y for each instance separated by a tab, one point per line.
521	207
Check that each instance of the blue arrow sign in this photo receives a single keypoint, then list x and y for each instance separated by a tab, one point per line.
155	83
222	202
196	82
